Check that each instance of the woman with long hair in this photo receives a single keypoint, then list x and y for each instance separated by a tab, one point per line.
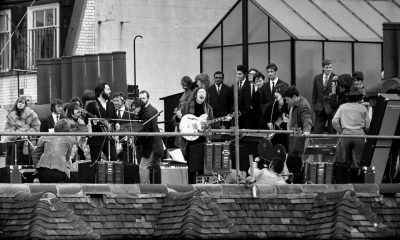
22	119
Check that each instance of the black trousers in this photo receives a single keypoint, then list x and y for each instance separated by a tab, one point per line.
47	175
95	151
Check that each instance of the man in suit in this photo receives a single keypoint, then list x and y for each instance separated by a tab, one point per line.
152	146
322	87
56	108
220	98
124	153
102	108
267	91
247	117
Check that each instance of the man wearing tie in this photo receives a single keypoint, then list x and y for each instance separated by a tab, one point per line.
322	86
56	108
122	146
267	91
220	98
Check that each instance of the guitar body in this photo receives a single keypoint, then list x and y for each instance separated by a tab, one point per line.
192	124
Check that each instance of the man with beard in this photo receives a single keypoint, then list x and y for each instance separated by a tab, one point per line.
151	146
197	106
102	108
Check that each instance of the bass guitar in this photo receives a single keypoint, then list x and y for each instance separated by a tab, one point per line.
192	124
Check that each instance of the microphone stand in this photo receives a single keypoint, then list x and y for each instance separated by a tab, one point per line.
153	117
104	129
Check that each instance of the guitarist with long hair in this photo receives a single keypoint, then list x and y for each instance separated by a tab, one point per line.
196	106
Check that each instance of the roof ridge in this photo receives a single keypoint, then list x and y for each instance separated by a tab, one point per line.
45	206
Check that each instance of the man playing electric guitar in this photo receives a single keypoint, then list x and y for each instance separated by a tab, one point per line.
196	106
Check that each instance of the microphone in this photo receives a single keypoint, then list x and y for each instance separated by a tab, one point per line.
119	110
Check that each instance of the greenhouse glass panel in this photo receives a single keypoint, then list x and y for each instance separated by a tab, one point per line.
319	20
277	33
340	54
258	57
258	24
388	8
280	12
214	39
367	14
232	57
367	59
347	20
280	55
308	64
232	27
211	60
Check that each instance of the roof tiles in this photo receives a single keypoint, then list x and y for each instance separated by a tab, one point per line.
197	211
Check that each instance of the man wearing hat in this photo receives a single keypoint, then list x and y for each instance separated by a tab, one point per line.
350	119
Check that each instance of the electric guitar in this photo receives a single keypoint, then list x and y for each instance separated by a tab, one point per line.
192	124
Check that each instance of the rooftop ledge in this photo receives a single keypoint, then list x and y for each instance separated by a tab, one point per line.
214	190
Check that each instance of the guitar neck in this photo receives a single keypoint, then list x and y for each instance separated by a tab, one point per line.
215	120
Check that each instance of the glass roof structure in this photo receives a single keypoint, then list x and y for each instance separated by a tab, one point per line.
330	20
297	35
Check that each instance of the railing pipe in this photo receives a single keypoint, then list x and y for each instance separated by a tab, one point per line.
166	134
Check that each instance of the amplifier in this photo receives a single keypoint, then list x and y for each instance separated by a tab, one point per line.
131	173
110	172
171	174
318	172
323	153
17	174
217	157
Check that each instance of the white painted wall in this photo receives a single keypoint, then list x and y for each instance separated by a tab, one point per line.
171	30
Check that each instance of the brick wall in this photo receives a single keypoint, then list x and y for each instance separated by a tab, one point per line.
86	40
9	86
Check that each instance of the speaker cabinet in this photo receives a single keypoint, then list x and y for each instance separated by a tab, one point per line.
174	175
17	174
384	122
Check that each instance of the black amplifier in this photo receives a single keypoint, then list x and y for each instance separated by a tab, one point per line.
217	157
318	172
320	150
17	174
110	172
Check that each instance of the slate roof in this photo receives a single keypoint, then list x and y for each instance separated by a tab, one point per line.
44	216
113	211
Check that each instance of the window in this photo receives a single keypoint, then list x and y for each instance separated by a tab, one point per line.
5	40
43	33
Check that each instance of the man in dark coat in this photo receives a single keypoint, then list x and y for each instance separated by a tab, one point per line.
102	108
322	87
152	146
248	115
267	91
56	108
220	98
124	151
300	118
